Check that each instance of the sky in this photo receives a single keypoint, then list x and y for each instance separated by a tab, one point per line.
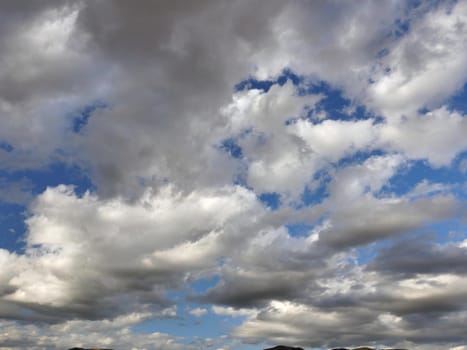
232	175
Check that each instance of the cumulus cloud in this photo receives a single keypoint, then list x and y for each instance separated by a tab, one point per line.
190	115
125	251
440	129
110	334
198	312
416	65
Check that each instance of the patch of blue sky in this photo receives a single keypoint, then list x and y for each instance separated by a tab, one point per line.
417	171
264	85
382	53
317	192
187	325
367	253
202	285
12	226
5	146
270	199
458	102
254	84
401	27
231	145
423	110
334	98
315	196
232	148
335	105
299	229
81	116
359	157
52	175
289	75
448	231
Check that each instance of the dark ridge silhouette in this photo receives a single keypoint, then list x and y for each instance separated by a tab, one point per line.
283	347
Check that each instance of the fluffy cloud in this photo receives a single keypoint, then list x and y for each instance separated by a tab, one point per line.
344	257
110	334
125	251
437	136
434	50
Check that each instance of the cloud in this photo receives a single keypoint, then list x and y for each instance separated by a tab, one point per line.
345	257
198	312
275	265
276	156
230	311
16	191
420	257
44	75
433	51
435	136
110	334
125	251
369	220
409	315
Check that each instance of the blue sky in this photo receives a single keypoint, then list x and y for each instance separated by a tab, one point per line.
232	175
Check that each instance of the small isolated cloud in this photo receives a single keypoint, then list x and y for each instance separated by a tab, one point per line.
230	311
198	312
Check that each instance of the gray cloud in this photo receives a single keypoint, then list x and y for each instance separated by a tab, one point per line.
165	211
371	220
420	256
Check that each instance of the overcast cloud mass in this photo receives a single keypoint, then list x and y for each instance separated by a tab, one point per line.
233	174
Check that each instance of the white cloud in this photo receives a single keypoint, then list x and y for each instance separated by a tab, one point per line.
198	312
277	157
437	136
165	211
427	64
105	334
331	140
230	311
124	250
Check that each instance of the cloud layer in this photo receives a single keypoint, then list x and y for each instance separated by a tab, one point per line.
295	170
